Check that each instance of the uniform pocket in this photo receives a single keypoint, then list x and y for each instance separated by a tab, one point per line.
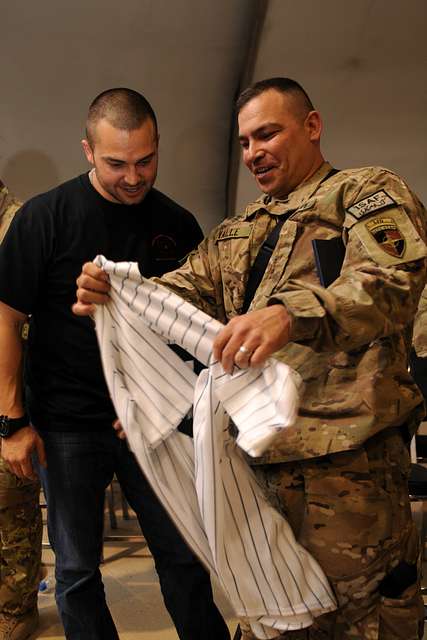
402	618
348	525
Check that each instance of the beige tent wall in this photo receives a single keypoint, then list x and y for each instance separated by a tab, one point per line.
184	55
364	64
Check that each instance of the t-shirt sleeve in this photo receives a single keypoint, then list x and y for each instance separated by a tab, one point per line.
191	238
24	256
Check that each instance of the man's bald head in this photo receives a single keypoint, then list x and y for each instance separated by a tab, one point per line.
123	108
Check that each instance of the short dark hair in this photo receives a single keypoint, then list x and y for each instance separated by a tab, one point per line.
286	86
123	108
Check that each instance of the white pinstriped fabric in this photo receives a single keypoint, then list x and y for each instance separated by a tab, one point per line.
206	485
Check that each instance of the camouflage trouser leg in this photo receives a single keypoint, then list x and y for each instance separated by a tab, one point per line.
20	542
351	511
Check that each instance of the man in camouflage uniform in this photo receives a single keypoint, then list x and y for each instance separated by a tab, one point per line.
420	327
20	523
340	473
419	351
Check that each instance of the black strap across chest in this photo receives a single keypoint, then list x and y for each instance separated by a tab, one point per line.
265	252
260	265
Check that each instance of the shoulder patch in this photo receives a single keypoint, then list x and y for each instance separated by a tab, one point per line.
391	239
372	203
236	231
387	234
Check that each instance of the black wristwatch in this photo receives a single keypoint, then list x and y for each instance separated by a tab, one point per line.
9	426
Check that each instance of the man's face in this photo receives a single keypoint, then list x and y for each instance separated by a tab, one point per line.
280	146
125	161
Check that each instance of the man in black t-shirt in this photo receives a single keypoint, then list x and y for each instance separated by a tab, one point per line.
113	210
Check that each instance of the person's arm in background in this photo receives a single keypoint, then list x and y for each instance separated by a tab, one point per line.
16	449
420	327
418	355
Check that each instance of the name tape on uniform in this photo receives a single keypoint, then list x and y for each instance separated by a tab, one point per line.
239	231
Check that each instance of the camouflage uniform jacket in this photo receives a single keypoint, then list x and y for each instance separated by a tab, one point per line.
8	207
348	341
420	327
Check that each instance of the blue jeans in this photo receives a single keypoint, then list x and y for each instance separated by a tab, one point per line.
80	466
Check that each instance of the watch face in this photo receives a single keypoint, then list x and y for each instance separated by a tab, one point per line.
4	426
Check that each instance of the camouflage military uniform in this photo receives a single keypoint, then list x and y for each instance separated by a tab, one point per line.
418	359
8	207
20	519
340	474
420	327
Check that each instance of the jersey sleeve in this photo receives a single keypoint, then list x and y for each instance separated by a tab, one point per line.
382	276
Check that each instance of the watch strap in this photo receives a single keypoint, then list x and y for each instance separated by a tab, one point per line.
9	426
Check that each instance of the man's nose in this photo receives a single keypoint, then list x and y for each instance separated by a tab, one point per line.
255	152
132	178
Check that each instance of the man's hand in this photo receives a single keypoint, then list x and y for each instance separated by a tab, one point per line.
17	449
117	426
92	289
248	340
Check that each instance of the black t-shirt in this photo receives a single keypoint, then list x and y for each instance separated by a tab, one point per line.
41	257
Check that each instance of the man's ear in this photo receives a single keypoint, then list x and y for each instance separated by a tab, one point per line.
88	150
313	124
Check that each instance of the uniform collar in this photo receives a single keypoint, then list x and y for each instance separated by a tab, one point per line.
294	200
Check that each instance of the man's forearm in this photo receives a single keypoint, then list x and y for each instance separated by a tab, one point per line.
17	448
11	401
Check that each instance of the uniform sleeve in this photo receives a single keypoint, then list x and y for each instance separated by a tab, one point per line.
198	280
420	327
7	211
382	276
24	255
